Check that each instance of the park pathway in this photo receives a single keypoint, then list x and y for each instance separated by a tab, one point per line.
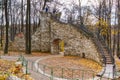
108	74
36	75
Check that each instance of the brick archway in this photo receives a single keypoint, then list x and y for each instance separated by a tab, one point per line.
56	46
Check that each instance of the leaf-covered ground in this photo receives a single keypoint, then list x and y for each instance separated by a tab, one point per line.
8	68
117	61
5	65
71	67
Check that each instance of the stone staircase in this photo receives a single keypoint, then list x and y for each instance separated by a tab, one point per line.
105	53
108	71
100	43
109	68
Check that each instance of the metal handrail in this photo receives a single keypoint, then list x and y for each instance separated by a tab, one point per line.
24	63
93	37
86	31
109	51
62	70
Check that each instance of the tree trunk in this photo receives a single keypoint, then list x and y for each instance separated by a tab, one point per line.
29	8
118	46
7	26
28	29
22	26
2	27
26	35
44	4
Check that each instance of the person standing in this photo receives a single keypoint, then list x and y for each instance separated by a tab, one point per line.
47	9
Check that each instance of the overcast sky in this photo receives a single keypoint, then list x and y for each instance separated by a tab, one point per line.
84	2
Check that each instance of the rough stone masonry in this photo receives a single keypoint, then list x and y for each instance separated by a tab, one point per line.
48	36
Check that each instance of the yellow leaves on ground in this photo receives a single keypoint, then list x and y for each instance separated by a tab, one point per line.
117	61
4	68
6	65
90	64
71	67
9	68
73	62
2	77
27	77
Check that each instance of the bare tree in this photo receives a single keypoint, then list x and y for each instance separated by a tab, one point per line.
80	12
28	28
118	36
22	26
2	23
7	26
44	3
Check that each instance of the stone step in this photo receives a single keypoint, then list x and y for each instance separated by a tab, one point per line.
106	54
106	51
105	46
108	62
108	58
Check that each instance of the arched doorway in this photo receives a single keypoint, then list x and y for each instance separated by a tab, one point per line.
58	46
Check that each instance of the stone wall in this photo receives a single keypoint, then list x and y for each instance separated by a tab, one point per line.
76	43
